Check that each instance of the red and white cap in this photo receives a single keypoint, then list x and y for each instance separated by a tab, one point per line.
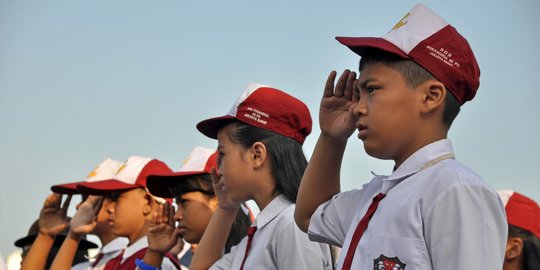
105	170
521	211
201	160
267	108
427	39
132	174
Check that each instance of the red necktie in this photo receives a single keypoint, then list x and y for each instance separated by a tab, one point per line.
98	258
362	225
114	263
251	232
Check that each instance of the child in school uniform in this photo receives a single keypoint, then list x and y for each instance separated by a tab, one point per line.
432	212
192	188
260	158
130	208
523	245
111	245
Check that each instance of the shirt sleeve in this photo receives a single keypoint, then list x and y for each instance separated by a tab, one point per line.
226	262
294	250
332	219
466	229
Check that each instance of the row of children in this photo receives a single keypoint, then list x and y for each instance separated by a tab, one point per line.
432	212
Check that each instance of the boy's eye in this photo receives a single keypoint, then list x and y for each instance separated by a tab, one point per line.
370	89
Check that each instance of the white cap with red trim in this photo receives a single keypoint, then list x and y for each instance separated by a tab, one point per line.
201	160
105	170
132	174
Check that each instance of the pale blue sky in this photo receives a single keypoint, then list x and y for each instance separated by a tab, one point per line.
84	80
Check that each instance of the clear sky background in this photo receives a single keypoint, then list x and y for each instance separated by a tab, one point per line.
84	80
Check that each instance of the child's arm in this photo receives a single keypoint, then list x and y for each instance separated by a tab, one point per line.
83	222
162	235
52	220
321	178
212	244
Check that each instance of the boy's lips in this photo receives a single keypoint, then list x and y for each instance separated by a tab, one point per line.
362	131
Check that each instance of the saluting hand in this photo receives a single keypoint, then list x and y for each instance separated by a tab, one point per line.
53	218
224	200
162	233
336	116
84	220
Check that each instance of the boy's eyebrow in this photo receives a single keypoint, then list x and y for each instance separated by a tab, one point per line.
363	84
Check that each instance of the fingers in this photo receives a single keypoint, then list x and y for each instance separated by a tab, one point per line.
349	85
356	94
159	216
342	83
66	203
329	86
171	216
98	203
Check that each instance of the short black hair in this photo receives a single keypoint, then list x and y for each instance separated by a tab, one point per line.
531	247
413	74
286	155
203	183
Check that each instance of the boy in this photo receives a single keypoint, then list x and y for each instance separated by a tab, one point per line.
432	212
130	208
97	219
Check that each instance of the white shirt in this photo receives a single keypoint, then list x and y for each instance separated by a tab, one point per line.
442	216
109	251
143	243
278	243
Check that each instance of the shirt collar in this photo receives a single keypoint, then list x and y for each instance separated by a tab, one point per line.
115	245
133	248
419	160
271	211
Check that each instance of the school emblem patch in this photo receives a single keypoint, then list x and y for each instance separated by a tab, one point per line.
385	263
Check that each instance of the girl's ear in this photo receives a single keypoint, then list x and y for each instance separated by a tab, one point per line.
433	94
514	248
258	154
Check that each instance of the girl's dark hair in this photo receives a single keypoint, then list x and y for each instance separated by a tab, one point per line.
413	74
286	155
203	183
531	247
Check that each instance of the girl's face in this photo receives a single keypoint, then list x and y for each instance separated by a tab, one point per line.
195	209
234	167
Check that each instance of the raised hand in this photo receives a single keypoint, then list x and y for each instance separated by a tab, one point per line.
162	233
52	218
336	116
223	198
84	220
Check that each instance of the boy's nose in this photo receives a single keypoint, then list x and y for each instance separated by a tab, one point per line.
110	207
179	214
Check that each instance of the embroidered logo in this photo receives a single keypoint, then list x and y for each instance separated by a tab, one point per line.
385	263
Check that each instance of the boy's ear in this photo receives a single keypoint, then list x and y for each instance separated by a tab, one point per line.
514	248
258	154
433	94
149	204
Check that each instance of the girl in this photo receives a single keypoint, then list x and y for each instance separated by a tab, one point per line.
523	244
192	188
260	158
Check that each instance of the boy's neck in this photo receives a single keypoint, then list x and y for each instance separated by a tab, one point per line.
106	237
137	235
421	143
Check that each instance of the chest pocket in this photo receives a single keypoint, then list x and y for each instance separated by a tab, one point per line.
392	252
